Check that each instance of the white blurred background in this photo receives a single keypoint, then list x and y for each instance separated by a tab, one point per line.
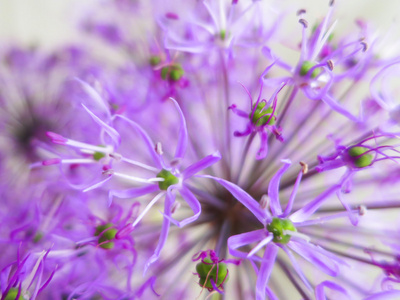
52	22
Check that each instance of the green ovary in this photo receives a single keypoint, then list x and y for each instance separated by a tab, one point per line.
107	236
12	295
262	115
277	228
363	160
169	179
208	270
306	66
172	72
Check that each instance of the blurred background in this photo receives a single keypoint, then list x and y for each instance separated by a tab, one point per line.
52	22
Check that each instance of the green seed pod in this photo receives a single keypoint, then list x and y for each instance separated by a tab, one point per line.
208	270
98	155
38	237
277	226
363	160
306	66
262	115
222	34
169	179
108	235
12	295
172	72
155	60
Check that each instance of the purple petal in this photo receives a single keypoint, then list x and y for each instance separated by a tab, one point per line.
297	267
289	206
263	151
107	128
94	95
319	290
353	218
147	140
239	112
183	134
387	295
273	189
338	108
243	239
265	270
132	193
243	198
320	258
194	204
169	200
201	165
247	131
308	209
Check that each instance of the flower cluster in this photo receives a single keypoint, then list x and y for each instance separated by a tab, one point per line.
196	161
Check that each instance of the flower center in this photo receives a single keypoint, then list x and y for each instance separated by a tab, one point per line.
98	155
155	60
277	228
208	269
107	234
12	295
172	72
262	115
169	179
360	159
306	66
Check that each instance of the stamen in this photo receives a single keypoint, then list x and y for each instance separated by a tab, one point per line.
330	64
158	148
132	178
301	12
260	245
151	203
175	207
56	138
304	166
362	210
139	164
365	46
264	202
116	156
304	23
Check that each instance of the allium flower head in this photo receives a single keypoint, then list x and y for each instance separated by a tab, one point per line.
196	162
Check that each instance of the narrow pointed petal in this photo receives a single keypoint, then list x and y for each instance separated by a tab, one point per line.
237	241
265	271
132	193
320	258
183	134
194	204
243	198
307	210
273	188
107	128
169	200
201	165
289	206
319	290
147	140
